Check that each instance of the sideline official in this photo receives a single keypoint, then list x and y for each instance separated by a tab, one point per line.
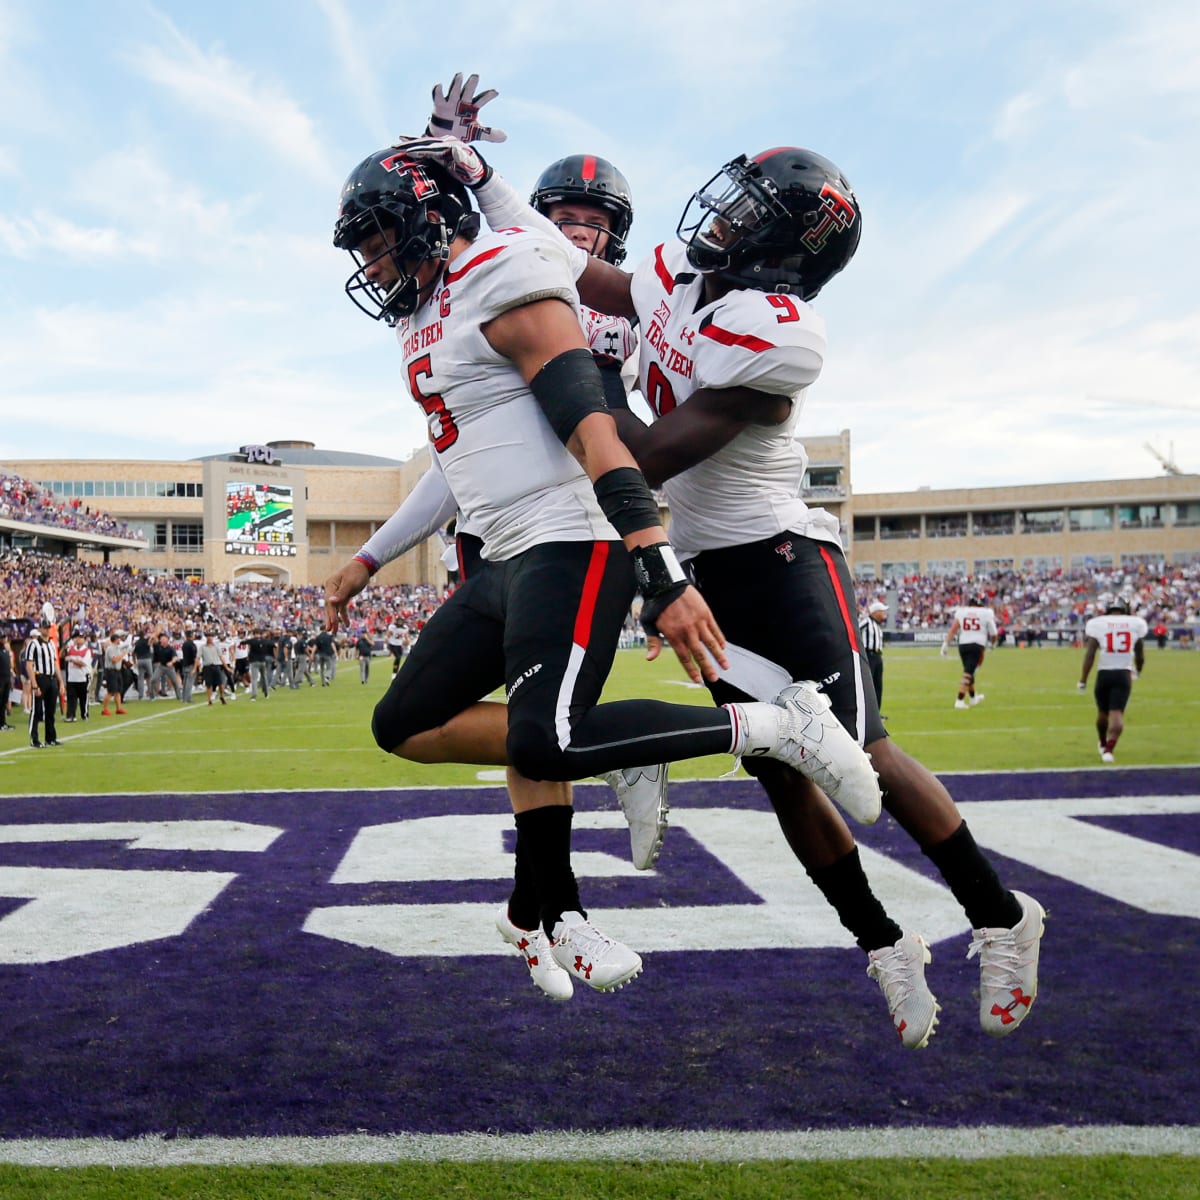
45	677
870	637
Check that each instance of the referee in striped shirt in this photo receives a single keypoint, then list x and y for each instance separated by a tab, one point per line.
45	675
870	636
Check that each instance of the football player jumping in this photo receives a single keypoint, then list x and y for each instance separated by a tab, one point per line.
495	356
730	344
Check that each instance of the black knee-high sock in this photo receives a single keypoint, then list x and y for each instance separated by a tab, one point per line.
545	836
845	885
974	882
524	910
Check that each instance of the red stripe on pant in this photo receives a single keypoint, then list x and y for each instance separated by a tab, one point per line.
843	608
591	589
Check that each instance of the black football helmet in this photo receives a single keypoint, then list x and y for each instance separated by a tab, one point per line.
587	179
1118	604
785	220
419	206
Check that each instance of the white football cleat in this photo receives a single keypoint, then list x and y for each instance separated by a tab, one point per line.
587	954
534	947
799	729
900	972
1008	968
642	794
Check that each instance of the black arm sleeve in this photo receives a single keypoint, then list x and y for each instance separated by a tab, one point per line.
569	388
615	395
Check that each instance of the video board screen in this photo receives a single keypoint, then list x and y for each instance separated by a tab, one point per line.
260	518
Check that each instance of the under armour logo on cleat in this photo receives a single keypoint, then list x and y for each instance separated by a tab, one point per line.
1005	1011
586	972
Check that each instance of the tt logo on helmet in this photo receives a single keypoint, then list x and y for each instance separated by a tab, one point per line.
835	215
422	185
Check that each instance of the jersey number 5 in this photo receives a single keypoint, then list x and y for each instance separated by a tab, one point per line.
442	428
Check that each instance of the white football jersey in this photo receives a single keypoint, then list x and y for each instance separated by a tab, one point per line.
750	488
515	482
976	626
1117	635
395	635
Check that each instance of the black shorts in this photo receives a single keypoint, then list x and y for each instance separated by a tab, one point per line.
470	555
1112	690
545	626
214	675
114	682
971	655
789	600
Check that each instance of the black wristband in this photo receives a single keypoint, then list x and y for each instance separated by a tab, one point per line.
627	500
568	388
657	570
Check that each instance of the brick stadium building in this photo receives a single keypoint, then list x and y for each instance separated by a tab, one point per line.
289	512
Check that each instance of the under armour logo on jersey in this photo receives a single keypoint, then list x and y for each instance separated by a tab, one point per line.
687	335
612	342
785	550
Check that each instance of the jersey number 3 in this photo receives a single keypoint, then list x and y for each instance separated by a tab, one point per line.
442	428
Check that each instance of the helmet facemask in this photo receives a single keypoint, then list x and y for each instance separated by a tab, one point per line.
589	180
411	213
407	250
720	224
784	221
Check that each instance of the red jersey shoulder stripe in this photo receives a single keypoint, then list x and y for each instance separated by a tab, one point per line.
660	269
726	337
454	276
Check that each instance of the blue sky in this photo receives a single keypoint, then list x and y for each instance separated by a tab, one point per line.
1023	307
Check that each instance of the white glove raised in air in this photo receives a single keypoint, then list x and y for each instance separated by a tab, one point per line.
451	154
456	111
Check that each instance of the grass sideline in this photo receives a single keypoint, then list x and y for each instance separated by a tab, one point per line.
1033	717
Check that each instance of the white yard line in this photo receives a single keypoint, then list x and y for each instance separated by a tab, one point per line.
77	735
988	1141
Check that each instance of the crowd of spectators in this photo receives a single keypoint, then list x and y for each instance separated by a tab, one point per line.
1162	593
22	500
101	598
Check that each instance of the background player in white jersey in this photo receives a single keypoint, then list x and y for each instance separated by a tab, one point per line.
1115	643
495	356
974	625
729	344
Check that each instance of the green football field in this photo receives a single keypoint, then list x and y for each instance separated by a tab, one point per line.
1033	717
318	738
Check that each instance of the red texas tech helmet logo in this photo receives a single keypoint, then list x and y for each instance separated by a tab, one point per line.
422	185
835	215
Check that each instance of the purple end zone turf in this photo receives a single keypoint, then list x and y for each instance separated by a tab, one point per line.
244	1025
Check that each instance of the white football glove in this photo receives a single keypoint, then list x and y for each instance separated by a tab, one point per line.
451	154
944	650
456	111
1081	685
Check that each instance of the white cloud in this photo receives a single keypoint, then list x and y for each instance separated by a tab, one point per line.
349	44
213	85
